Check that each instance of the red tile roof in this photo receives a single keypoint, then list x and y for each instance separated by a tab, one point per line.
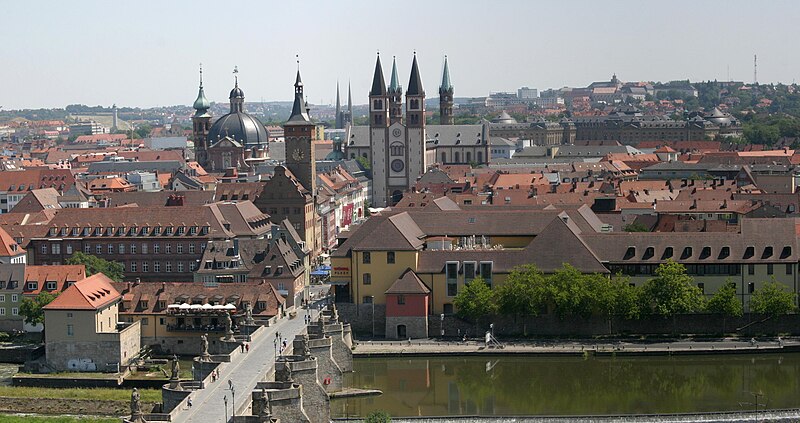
91	293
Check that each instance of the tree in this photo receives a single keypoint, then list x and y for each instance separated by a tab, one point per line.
522	293
614	297
32	308
378	417
364	163
475	301
725	303
772	299
95	264
570	293
671	291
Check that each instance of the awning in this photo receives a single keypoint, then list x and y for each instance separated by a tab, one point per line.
339	283
320	273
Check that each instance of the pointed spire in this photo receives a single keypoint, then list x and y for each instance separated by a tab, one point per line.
300	107
378	83
446	85
201	104
394	84
415	82
349	97
338	103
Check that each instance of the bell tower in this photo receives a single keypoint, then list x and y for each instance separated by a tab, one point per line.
446	97
298	132
395	96
415	125
201	123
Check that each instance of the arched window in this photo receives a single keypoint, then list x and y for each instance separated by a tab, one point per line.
480	157
396	149
444	157
456	157
364	155
468	156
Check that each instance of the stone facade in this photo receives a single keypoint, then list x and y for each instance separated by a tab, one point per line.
106	350
415	327
285	399
304	371
328	371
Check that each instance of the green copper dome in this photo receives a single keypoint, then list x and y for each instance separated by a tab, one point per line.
202	103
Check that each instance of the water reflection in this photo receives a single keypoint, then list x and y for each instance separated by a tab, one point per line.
562	386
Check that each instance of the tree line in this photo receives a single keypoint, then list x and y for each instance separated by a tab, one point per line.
569	293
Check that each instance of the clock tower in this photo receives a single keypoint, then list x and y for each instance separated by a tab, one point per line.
298	131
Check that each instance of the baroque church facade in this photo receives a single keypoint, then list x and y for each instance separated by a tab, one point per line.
398	143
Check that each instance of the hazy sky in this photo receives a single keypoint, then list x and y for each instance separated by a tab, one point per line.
146	53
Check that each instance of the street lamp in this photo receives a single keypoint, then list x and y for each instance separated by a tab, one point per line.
225	400
233	398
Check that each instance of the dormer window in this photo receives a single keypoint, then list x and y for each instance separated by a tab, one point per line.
767	252
687	252
668	253
649	252
630	253
786	252
749	252
705	253
724	252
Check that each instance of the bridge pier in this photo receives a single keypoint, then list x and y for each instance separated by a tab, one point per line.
302	369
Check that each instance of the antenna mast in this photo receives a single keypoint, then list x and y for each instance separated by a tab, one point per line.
755	69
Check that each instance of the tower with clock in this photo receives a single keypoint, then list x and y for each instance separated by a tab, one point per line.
397	148
298	131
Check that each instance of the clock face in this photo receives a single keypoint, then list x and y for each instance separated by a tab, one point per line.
396	132
398	165
297	154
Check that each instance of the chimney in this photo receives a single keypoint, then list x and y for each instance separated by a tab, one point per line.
724	204
694	204
138	281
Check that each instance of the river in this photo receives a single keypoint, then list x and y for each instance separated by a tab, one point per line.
530	385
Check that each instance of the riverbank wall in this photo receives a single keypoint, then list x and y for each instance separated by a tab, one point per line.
362	320
774	416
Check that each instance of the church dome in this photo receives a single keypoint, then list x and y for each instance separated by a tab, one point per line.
718	118
239	126
504	118
236	92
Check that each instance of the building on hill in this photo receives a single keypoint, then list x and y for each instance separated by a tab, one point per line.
83	329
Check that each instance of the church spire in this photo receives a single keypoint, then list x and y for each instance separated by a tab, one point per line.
299	110
378	83
201	104
415	82
394	84
338	116
446	85
446	97
349	118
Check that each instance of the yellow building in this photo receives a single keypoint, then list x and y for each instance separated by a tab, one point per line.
447	247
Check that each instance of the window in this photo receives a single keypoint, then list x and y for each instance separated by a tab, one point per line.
156	248
769	268
469	271
751	287
390	257
401	299
486	272
32	286
180	266
367	278
145	266
192	266
191	248
168	266
789	268
179	248
51	286
168	248
55	248
98	249
751	269
87	248
366	258
2	311
156	266
14	298
15	311
133	266
451	275
396	149
133	248
70	330
2	298
110	248
145	321
144	248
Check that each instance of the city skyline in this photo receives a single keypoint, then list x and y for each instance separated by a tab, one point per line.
148	55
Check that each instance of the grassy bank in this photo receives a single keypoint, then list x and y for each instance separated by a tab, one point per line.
32	419
101	394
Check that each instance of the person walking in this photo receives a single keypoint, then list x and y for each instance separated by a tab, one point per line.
189	401
247	347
